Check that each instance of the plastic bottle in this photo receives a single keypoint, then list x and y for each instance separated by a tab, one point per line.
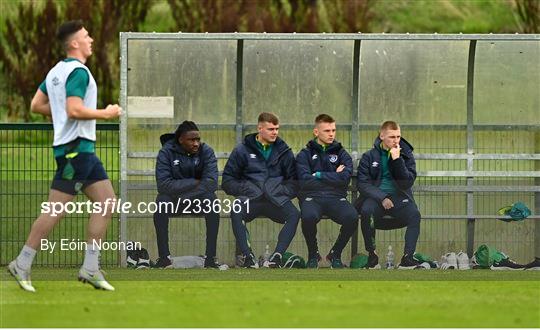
390	258
266	256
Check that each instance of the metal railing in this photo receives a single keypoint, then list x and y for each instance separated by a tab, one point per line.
27	167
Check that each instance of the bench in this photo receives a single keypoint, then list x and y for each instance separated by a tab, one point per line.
470	189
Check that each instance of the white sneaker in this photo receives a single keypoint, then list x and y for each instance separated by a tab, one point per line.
274	262
463	261
449	261
22	276
424	265
95	279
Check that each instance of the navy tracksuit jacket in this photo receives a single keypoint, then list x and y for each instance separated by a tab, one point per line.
177	173
325	194
405	212
269	184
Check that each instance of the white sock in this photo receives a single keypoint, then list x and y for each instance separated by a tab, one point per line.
26	257
91	257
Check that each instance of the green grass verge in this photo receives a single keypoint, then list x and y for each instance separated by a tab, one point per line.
276	298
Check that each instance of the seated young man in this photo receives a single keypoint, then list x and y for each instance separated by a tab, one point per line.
261	169
386	174
324	171
186	169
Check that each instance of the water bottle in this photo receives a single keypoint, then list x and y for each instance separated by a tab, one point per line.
266	256
390	258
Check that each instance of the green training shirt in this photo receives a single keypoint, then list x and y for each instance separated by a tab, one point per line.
76	84
387	182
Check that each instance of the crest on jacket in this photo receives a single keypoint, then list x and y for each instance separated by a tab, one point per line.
333	158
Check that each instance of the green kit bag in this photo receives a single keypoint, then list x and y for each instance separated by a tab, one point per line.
291	260
517	212
359	261
486	255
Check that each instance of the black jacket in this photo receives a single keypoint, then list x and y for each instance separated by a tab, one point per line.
402	170
313	159
248	175
177	172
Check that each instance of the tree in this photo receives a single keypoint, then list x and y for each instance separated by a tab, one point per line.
529	15
25	53
271	15
28	48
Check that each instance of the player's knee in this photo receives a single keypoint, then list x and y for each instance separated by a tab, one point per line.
309	217
368	210
366	214
414	218
161	198
294	217
291	212
351	221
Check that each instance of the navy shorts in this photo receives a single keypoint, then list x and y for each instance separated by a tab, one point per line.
85	169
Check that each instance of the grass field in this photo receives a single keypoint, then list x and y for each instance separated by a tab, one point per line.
276	298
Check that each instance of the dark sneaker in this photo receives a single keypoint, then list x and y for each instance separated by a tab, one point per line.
373	261
211	262
408	262
163	263
132	258
249	262
506	264
274	262
313	263
535	265
144	260
335	262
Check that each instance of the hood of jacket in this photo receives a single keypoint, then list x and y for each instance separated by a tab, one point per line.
169	142
279	146
334	147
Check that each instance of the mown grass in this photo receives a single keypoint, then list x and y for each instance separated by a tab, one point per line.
276	298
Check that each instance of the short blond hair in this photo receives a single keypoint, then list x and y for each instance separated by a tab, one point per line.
389	125
324	118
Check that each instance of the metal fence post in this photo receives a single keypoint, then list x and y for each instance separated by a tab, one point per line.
239	104
123	141
470	147
354	130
